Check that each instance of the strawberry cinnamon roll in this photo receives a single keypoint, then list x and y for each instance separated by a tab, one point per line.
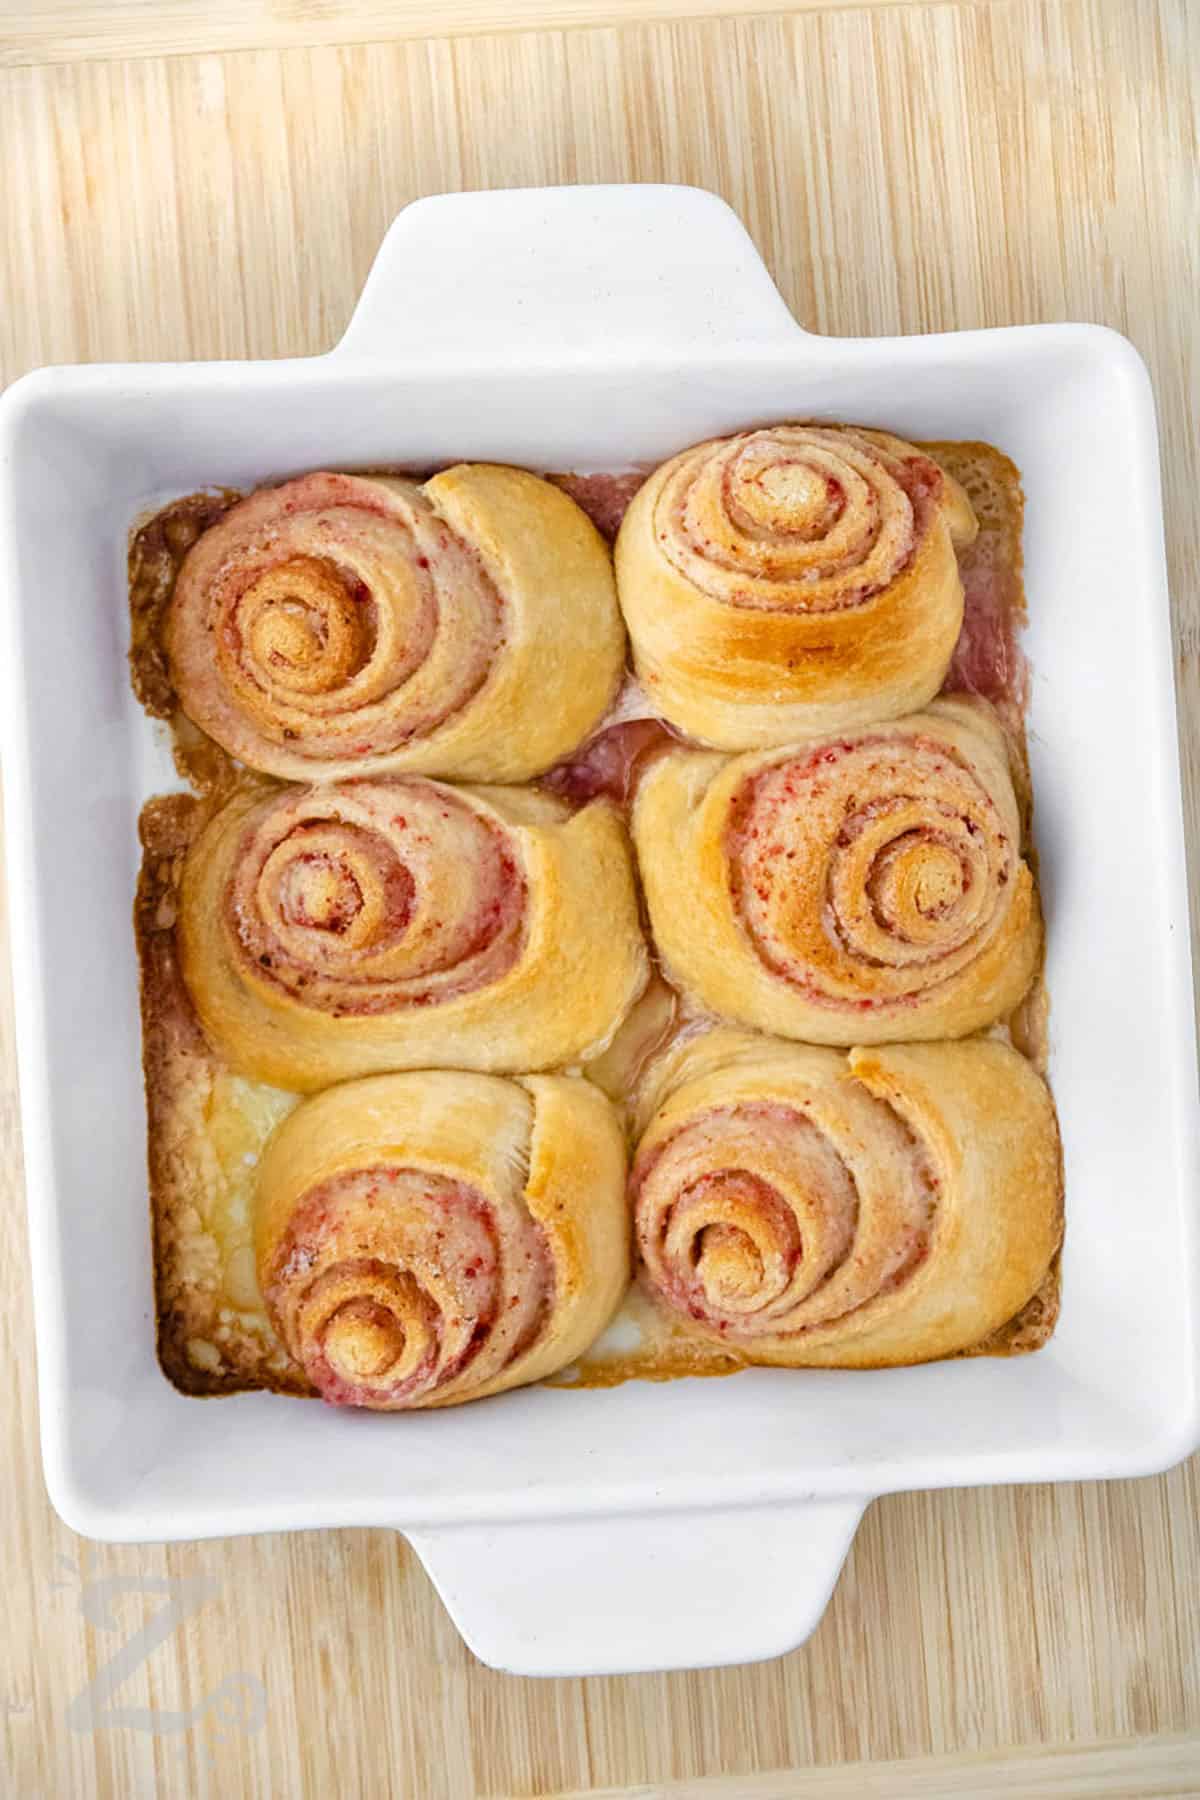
860	888
808	1206
342	625
795	579
339	930
428	1239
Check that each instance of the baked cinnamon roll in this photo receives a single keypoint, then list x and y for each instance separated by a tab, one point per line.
431	1238
795	579
800	1205
858	888
345	624
335	931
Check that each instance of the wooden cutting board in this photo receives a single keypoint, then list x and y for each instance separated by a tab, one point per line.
196	180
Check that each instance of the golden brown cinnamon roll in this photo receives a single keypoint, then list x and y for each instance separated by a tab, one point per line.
795	579
431	1238
343	625
340	930
808	1206
861	888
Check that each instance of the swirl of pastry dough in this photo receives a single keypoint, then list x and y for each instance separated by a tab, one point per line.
854	889
793	579
427	1239
342	624
338	930
802	1205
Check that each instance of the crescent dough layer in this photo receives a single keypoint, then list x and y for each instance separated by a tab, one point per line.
427	1239
806	1206
337	931
345	625
863	888
792	580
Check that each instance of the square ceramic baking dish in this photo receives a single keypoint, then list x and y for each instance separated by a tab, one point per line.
648	1526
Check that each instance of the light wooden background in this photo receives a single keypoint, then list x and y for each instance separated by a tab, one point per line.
183	179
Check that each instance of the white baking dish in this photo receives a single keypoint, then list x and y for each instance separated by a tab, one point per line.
648	1526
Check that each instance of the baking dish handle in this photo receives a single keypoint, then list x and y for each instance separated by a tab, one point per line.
623	1595
571	272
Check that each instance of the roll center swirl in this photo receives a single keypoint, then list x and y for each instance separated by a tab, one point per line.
373	897
320	893
729	1265
363	1340
869	868
390	1282
780	1240
789	496
916	878
803	519
307	626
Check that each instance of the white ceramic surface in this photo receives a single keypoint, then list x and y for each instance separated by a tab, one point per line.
646	1526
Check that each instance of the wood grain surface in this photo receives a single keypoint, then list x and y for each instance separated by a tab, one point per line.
73	30
903	168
